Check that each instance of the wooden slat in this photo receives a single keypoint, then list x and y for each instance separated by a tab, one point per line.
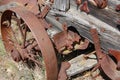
80	64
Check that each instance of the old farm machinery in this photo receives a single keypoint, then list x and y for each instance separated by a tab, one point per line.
32	29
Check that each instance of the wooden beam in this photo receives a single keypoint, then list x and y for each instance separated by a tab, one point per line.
79	64
103	20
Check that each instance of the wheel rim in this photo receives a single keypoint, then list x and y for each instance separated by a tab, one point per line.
39	34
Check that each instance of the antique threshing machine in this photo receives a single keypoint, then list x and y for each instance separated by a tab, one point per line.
39	30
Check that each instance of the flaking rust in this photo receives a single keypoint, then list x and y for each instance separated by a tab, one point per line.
65	41
104	61
26	51
84	7
101	4
116	54
117	7
62	74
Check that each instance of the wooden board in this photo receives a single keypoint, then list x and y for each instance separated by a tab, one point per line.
104	20
80	64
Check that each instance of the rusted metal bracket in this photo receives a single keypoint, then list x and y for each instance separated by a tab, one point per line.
66	39
104	61
116	54
85	7
44	12
62	74
42	15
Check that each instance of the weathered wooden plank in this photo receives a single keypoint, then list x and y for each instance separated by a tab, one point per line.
108	15
112	3
80	64
62	5
104	22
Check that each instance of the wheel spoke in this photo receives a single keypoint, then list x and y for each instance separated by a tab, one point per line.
25	35
29	45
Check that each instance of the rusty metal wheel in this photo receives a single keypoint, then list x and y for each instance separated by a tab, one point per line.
33	42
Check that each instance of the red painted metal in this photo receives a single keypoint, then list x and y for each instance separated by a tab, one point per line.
38	32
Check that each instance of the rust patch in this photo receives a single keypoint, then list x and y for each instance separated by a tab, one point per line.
78	2
62	74
116	54
101	3
37	28
104	61
117	7
85	8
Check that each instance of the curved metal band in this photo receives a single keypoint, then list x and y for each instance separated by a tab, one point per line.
106	62
109	68
4	2
40	35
